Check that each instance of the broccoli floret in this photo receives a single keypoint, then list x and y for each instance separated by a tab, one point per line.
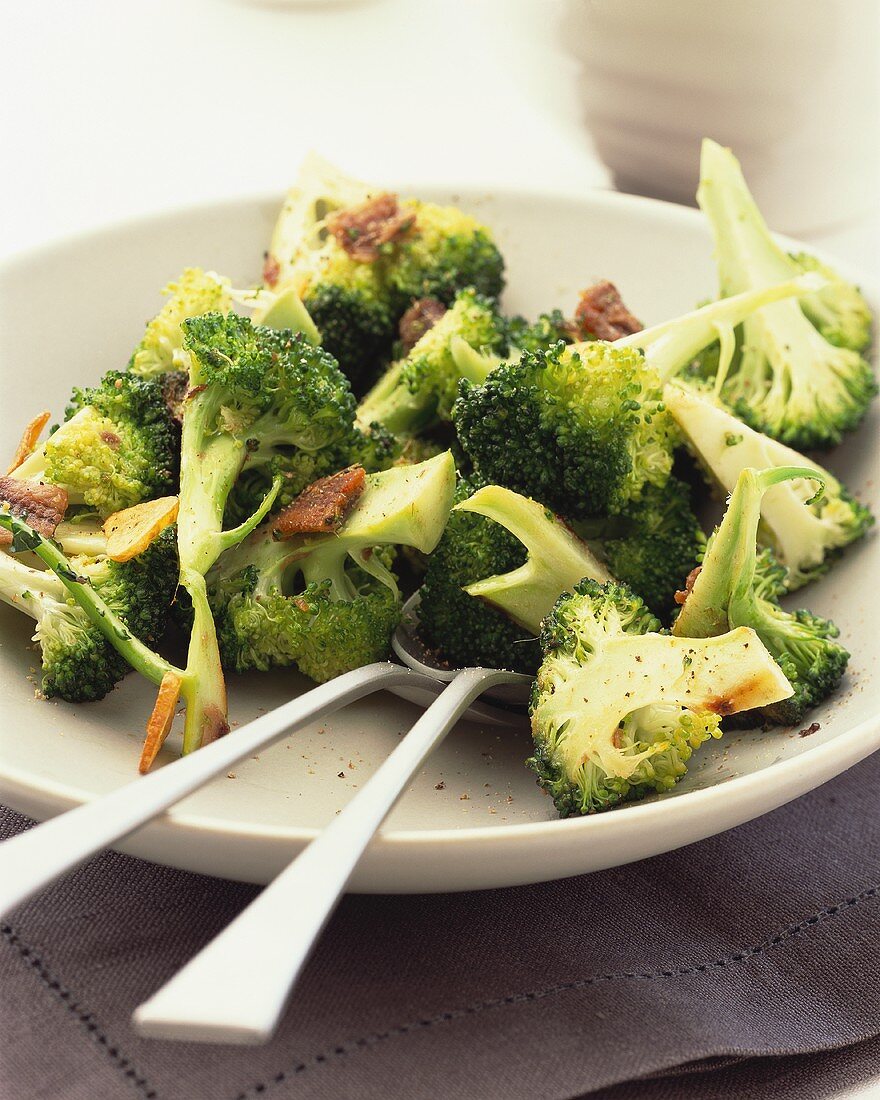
806	539
653	545
78	662
444	251
348	303
618	708
419	390
194	293
839	310
738	587
582	431
257	392
463	630
117	446
583	428
787	378
356	301
502	562
540	335
329	603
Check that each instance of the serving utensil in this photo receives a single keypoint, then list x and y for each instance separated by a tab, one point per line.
235	989
34	858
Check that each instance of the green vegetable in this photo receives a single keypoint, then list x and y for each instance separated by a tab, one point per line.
805	533
85	649
117	447
194	293
618	708
789	377
329	603
736	586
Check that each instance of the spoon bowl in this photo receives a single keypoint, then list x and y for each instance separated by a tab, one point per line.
502	704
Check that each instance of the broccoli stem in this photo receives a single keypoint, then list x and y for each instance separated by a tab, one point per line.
286	311
746	253
730	561
557	558
210	463
141	658
204	686
28	589
671	345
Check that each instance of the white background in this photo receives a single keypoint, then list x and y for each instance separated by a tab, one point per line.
113	109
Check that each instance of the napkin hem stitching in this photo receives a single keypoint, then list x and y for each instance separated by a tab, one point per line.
742	956
75	1009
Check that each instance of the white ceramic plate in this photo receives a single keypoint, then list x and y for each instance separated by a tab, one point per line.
473	817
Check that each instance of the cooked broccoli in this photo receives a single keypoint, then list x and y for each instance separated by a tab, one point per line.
329	603
556	559
583	428
256	392
653	545
117	447
463	630
194	293
618	708
839	310
78	662
356	301
418	390
500	566
805	539
789	377
582	431
444	251
737	586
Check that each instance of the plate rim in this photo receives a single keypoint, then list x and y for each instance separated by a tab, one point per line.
849	747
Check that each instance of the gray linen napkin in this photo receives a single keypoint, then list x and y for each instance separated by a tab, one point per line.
723	959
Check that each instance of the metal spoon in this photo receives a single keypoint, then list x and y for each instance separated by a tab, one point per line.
235	989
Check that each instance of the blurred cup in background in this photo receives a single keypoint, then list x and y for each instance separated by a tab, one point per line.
793	86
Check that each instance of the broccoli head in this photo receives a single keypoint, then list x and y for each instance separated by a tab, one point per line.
653	545
78	663
737	586
583	431
443	251
805	532
327	603
419	390
117	446
618	708
789	378
194	293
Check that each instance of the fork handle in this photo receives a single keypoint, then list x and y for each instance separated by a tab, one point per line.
32	859
235	989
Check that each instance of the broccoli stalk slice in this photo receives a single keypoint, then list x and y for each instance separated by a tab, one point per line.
671	345
805	532
557	558
406	505
736	588
141	658
286	311
33	591
625	673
